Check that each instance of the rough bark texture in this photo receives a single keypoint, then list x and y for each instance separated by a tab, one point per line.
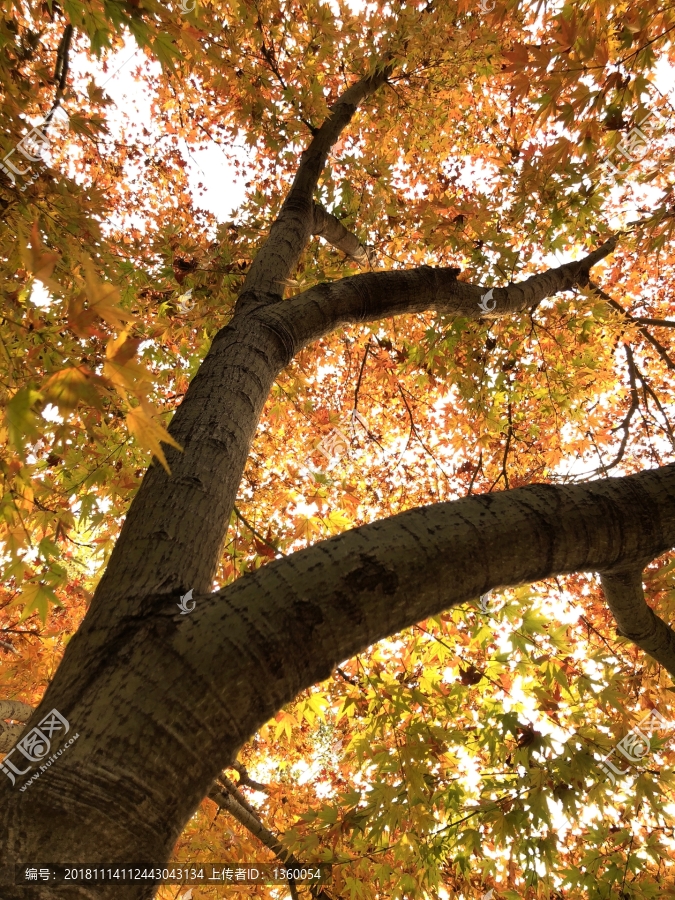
162	702
18	712
171	704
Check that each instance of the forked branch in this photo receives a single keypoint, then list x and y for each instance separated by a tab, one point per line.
292	229
379	295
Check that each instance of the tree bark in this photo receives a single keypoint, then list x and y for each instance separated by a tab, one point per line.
162	702
177	696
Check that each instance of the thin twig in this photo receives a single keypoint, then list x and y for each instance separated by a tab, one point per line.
257	533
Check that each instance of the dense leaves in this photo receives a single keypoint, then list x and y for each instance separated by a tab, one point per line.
463	755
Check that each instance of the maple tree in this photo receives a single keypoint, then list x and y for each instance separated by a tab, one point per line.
406	659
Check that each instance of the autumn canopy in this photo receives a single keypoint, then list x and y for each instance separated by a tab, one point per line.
337	444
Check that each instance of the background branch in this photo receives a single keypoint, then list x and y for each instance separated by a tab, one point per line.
637	621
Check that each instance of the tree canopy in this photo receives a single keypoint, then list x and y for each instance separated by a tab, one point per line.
438	331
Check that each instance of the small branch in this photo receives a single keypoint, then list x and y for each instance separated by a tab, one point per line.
660	349
637	621
633	374
247	817
245	780
415	431
661	323
331	229
509	436
238	796
479	466
343	675
361	370
257	533
61	71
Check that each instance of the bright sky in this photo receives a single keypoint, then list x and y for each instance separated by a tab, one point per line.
223	187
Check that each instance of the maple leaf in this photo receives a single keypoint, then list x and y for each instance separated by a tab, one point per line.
39	262
104	299
36	597
71	386
20	416
143	423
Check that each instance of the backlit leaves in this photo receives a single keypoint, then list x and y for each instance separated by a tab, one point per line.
460	756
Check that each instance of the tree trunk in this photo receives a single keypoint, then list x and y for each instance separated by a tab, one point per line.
171	702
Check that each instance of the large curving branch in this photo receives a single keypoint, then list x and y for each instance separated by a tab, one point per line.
334	599
200	685
637	621
379	295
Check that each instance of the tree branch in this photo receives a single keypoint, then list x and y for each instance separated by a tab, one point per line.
333	600
635	619
331	229
257	534
292	229
230	800
18	712
246	780
660	349
378	295
61	71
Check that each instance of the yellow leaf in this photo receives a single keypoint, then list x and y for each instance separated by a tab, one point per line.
122	348
40	264
143	424
71	386
119	366
36	596
104	299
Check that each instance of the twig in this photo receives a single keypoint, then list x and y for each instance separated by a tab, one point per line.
660	349
61	71
257	533
246	780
